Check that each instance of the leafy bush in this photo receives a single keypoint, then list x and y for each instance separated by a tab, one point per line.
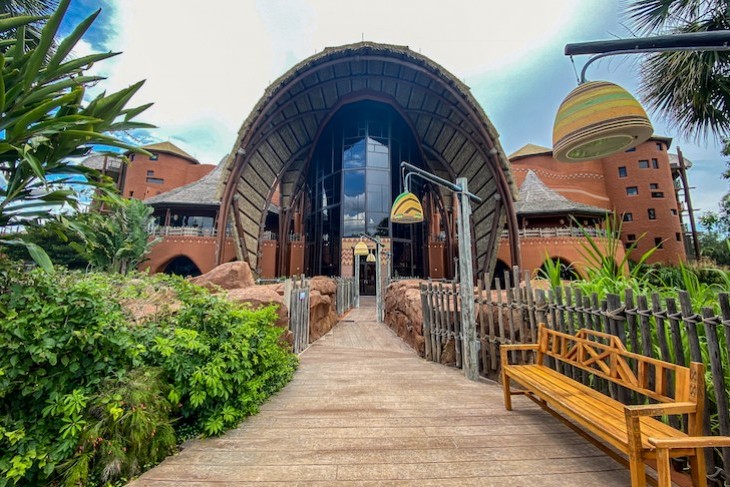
88	394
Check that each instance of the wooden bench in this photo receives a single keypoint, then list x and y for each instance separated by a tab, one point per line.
631	429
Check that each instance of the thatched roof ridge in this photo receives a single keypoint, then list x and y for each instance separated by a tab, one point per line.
170	148
536	198
202	192
528	150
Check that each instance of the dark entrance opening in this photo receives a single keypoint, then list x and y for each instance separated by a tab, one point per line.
182	266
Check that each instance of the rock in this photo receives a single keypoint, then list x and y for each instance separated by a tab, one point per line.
150	302
403	312
322	307
233	275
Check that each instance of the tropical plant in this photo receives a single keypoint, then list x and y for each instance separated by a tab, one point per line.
37	8
47	119
690	89
555	271
117	239
55	240
607	273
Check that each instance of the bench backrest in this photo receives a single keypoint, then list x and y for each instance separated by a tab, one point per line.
605	356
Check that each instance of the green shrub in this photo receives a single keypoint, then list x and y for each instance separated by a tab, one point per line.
88	395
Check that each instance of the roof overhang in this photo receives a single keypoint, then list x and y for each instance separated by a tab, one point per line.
455	136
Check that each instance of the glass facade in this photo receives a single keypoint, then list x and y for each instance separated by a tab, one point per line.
351	182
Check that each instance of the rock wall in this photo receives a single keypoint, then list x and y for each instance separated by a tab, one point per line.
403	312
237	281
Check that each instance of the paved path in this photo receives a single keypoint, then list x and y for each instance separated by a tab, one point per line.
364	410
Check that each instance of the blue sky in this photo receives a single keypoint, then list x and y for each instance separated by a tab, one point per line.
207	64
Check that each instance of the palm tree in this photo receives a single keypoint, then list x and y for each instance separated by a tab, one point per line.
36	8
689	89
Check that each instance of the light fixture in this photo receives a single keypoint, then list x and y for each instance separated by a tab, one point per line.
597	119
361	249
406	209
371	257
600	118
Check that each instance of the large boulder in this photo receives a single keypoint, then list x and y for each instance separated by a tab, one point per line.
233	275
403	312
260	296
322	306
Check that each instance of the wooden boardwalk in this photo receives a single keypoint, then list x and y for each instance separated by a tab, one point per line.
364	410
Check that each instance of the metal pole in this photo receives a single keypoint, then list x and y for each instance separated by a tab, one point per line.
378	281
466	280
357	280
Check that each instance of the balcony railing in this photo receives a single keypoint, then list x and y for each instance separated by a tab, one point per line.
556	232
163	231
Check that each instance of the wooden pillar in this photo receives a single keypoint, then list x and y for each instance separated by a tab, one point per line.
470	348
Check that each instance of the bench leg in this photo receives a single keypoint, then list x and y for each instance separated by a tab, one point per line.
636	460
663	468
698	470
506	391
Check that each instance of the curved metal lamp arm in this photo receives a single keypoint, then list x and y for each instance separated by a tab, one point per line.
413	170
698	41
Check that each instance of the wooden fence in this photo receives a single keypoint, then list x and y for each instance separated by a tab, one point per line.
668	329
296	297
345	294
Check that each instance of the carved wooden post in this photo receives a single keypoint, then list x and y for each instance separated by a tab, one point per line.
470	348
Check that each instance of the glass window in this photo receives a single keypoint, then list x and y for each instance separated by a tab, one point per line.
644	164
156	180
659	242
659	146
631	237
678	236
655	164
657	194
633	149
150	173
651	212
154	157
354	203
622	173
653	186
674	211
628	217
632	190
353	155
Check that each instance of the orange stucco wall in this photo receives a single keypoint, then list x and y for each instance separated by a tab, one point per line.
535	250
142	175
201	250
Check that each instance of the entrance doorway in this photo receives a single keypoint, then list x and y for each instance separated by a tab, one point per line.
367	277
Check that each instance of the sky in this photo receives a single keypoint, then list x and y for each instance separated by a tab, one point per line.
206	64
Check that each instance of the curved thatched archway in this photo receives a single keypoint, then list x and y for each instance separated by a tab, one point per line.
276	141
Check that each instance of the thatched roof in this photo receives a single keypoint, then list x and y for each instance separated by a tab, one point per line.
530	150
674	161
536	198
170	148
455	137
102	161
202	192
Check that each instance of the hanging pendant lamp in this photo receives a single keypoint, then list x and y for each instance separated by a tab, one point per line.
598	119
406	209
371	257
361	248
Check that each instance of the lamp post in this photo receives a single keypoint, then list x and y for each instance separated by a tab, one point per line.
407	209
378	282
599	118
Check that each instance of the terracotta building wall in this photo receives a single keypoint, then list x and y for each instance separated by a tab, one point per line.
654	189
200	250
145	178
581	181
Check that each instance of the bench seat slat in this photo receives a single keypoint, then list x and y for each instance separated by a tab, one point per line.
598	413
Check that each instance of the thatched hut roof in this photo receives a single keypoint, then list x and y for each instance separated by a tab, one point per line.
536	198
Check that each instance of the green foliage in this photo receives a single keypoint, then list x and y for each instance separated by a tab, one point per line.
689	88
86	395
607	273
46	120
555	271
117	239
55	240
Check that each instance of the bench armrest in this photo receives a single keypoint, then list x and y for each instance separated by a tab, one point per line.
690	442
661	409
505	349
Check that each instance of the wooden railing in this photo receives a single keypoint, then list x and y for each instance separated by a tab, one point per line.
296	299
664	328
557	232
345	295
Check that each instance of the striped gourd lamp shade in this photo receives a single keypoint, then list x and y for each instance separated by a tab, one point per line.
371	257
361	248
406	209
598	119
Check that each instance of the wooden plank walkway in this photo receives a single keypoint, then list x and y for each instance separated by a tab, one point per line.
364	410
